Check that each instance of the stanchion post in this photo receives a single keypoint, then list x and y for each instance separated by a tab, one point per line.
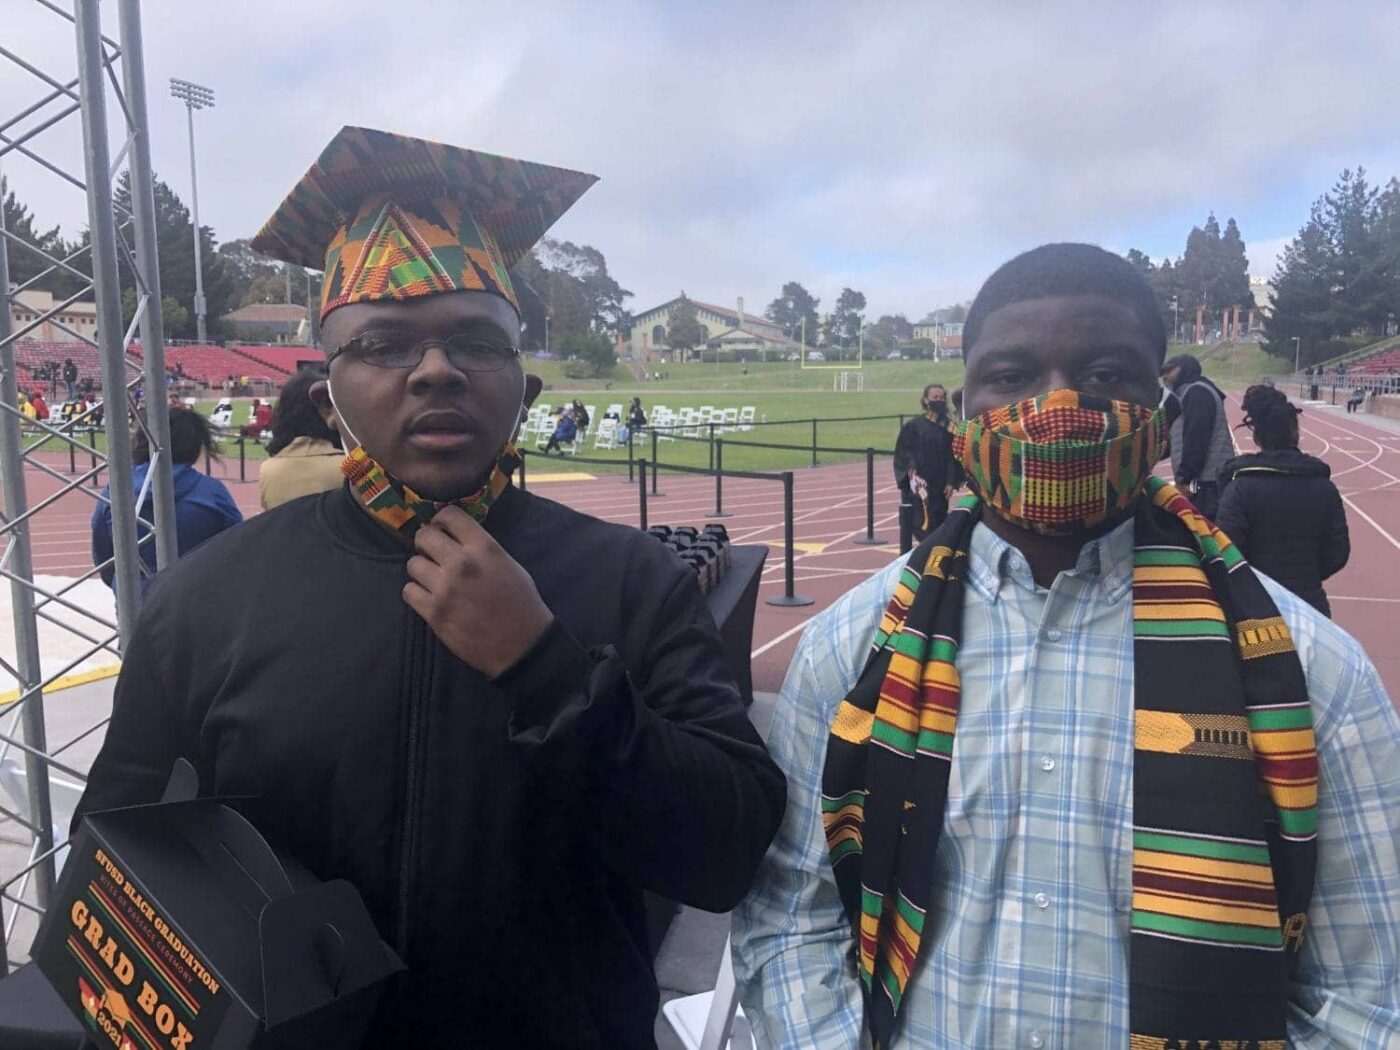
788	598
719	511
630	463
72	458
208	464
92	446
642	494
242	459
711	428
653	463
814	442
869	539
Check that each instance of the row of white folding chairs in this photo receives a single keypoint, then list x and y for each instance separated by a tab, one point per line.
696	422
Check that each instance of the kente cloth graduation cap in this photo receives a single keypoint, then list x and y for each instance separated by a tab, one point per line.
392	217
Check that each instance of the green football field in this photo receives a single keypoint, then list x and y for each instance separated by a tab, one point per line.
783	395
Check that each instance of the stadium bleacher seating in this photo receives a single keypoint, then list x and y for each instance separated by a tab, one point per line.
1386	362
204	363
280	360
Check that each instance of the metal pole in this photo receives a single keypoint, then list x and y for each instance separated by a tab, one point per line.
630	436
36	773
814	442
642	494
242	459
654	471
107	292
200	329
712	445
148	262
869	539
788	598
718	468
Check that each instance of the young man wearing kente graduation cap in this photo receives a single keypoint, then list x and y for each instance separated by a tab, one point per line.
501	720
1073	774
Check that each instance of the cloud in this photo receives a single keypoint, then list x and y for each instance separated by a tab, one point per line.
896	148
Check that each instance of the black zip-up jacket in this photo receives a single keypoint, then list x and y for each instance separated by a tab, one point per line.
501	833
928	448
1285	514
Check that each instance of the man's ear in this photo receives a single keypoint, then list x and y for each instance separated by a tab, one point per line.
320	394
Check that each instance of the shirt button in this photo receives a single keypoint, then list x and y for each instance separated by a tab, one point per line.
1037	1041
1041	901
1047	763
1053	635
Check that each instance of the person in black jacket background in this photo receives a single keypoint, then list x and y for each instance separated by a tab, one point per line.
1280	506
924	468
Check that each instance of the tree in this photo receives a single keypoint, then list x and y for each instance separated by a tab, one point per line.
572	287
594	350
843	326
25	264
890	331
1141	263
791	309
175	242
1340	276
173	314
684	333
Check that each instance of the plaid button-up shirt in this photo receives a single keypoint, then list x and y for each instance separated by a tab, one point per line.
1027	940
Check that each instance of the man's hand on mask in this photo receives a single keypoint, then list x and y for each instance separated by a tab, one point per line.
477	599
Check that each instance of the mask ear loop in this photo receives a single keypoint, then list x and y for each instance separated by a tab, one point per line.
330	391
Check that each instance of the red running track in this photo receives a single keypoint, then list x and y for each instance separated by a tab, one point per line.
830	515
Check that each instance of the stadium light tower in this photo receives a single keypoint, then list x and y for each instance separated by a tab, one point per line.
194	96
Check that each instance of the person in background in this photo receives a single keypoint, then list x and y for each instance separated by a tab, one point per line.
565	431
581	419
26	406
41	407
1073	774
636	418
305	452
1357	399
924	468
203	506
1280	506
1200	435
259	420
70	377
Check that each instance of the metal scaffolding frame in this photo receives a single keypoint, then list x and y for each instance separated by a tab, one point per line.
118	235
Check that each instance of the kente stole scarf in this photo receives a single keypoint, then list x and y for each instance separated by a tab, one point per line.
1224	783
402	509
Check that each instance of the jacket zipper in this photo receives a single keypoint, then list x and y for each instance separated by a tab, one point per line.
420	678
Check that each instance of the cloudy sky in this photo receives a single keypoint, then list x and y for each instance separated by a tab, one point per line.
902	149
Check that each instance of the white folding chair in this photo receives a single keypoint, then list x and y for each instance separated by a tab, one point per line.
607	435
705	1021
746	416
731	419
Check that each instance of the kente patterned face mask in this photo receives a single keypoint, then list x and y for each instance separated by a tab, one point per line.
1063	461
402	509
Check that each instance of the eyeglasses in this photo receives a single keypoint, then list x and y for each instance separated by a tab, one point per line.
468	353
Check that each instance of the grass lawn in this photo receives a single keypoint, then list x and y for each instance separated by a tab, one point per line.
778	391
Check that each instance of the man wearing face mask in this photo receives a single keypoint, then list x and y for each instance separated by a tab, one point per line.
1201	440
1073	774
501	720
924	468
